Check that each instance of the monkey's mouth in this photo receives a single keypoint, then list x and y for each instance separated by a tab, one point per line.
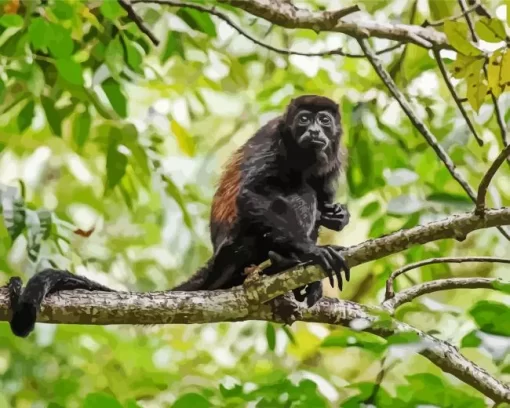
314	142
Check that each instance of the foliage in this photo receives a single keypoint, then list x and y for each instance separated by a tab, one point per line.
110	148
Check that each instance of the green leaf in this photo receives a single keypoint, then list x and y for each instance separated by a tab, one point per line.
403	338
134	55
490	29
11	20
34	235
370	209
494	73
52	115
13	211
476	89
464	65
39	32
349	338
471	340
492	317
116	161
172	190
116	96
2	91
505	69
35	80
502	286
70	70
25	117
112	10
439	9
198	21
100	400
457	34
114	57
270	336
81	127
62	10
173	46
60	42
191	400
184	138
508	12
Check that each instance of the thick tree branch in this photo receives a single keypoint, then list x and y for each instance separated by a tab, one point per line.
286	15
412	293
105	308
390	293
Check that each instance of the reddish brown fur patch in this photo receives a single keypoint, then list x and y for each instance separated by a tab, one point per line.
224	204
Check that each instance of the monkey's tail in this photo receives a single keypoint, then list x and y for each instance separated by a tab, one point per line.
25	305
198	280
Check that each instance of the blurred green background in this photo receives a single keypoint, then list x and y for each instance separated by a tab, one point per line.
114	147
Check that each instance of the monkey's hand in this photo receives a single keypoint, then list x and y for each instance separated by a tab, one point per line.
334	216
328	257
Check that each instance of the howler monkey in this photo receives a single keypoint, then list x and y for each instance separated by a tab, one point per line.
275	193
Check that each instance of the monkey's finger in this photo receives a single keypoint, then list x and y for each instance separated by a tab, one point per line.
327	262
339	264
333	223
341	259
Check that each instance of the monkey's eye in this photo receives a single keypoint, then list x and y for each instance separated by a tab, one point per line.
324	120
304	119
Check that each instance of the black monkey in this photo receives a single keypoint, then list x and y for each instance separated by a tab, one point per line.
275	193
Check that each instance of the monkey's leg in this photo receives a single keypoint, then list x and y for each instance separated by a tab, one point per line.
26	304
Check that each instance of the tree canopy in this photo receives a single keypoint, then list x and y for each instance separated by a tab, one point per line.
116	118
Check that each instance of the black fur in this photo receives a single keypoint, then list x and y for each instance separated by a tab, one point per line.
281	187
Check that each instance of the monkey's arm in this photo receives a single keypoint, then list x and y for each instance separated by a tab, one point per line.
26	305
334	216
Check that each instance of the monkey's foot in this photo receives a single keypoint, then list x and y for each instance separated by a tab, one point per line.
328	257
286	308
334	216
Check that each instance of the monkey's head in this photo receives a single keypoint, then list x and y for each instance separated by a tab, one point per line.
313	123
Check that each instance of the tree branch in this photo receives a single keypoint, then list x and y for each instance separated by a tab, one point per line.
126	5
390	293
106	308
412	293
288	16
484	184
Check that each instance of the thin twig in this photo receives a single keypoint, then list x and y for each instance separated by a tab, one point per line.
412	293
484	184
283	51
417	123
126	5
439	23
455	96
390	293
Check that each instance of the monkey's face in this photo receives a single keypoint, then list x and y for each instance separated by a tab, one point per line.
318	130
